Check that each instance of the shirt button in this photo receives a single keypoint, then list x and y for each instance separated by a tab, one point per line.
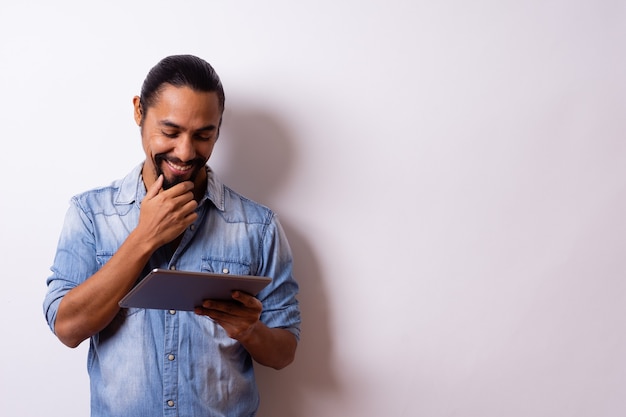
225	271
170	403
172	312
173	267
192	227
170	357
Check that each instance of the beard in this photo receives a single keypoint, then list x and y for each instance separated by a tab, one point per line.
159	159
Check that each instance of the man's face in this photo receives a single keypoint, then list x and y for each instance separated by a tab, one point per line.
178	134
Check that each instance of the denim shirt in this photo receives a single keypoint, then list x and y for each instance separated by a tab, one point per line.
174	363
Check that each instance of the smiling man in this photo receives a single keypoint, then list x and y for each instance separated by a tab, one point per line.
171	211
178	133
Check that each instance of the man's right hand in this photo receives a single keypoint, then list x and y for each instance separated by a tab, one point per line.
165	214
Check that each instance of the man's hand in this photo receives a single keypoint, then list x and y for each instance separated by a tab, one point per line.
165	214
274	347
238	317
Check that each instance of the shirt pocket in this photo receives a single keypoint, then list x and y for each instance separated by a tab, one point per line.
221	266
102	257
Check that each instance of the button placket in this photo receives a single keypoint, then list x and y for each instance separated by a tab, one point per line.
170	366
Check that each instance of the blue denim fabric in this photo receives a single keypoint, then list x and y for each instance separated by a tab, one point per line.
174	363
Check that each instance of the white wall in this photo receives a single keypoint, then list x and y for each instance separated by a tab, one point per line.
451	176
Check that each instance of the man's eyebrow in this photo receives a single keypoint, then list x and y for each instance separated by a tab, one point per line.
205	128
168	123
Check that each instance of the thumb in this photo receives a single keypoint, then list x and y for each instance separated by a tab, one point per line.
155	187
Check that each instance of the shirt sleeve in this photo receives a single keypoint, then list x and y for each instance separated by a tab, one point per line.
280	305
74	262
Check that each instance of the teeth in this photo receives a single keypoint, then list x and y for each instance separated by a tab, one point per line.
179	167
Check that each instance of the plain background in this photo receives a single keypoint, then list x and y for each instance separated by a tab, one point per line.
451	175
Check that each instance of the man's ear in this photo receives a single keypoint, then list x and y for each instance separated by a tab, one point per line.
138	111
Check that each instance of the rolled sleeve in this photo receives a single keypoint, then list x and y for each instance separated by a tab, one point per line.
74	261
280	305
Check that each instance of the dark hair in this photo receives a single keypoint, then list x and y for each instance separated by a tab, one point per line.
180	71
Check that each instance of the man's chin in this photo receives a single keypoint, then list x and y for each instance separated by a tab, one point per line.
170	182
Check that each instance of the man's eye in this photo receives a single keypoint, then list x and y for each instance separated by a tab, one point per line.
170	135
204	138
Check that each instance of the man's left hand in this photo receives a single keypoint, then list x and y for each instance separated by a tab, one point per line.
238	317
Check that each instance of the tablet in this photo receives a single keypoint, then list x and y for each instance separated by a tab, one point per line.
165	289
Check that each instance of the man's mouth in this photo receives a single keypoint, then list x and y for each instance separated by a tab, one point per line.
179	169
175	171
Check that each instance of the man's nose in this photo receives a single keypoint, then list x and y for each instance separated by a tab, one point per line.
185	150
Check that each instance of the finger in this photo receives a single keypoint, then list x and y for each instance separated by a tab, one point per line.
246	299
181	188
201	311
179	199
155	187
216	305
215	315
186	201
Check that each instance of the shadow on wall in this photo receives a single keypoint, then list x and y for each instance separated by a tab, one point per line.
253	156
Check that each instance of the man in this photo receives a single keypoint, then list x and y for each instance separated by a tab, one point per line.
172	212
